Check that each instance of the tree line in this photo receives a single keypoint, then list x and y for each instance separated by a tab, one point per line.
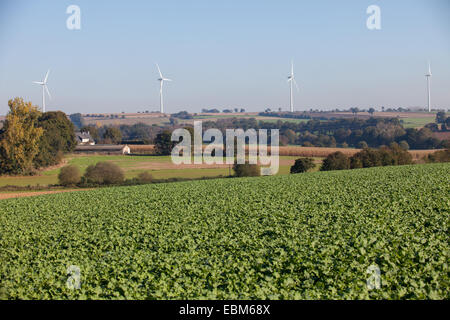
351	132
393	155
358	133
30	139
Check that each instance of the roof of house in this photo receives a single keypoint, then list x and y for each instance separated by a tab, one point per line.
83	135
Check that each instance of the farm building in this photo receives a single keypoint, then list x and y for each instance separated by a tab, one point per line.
103	149
84	138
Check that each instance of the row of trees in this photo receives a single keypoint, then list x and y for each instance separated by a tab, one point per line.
102	173
104	135
393	155
373	132
30	139
358	133
242	110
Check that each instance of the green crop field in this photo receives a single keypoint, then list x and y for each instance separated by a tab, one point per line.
306	236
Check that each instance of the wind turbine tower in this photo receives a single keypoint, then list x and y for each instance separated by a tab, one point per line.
161	81
291	80
428	76
44	88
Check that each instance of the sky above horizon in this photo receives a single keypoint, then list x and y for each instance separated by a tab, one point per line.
224	54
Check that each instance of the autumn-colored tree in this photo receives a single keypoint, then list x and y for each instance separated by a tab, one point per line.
19	141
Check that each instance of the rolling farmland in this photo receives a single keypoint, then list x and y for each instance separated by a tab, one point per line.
306	236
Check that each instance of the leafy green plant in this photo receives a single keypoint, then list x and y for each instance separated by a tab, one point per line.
308	236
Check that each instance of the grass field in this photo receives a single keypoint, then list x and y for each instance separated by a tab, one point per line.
160	167
306	236
411	119
416	122
258	118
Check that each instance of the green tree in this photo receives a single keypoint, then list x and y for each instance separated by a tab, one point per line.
440	117
354	111
302	165
104	173
112	135
246	170
19	141
58	138
93	131
77	120
69	176
404	145
371	111
439	156
399	155
446	125
291	136
366	158
164	143
335	161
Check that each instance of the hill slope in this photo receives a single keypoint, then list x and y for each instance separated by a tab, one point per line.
303	236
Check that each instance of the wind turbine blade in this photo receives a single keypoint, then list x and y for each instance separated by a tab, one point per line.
38	82
167	80
296	85
48	92
159	70
46	76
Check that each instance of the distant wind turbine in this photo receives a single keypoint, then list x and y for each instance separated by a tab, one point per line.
428	76
161	81
291	80
44	88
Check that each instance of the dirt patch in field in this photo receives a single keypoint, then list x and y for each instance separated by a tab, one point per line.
11	195
305	151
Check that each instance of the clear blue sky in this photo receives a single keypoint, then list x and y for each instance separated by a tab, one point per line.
233	53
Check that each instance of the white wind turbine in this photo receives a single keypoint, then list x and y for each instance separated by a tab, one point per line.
161	81
428	76
291	80
44	88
